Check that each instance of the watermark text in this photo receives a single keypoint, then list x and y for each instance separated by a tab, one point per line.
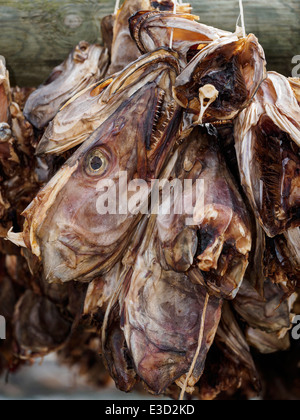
296	69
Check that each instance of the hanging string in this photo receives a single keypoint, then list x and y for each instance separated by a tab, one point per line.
200	340
117	6
172	31
242	15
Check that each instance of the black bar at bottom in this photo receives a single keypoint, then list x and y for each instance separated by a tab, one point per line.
138	409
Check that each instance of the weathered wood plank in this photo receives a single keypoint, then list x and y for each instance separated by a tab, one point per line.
36	35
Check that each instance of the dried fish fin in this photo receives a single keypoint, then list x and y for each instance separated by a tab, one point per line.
280	103
16	238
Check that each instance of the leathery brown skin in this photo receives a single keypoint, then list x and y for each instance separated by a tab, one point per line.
63	226
153	29
267	137
214	248
85	112
86	65
161	314
221	80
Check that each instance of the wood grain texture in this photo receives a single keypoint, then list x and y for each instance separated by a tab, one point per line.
36	35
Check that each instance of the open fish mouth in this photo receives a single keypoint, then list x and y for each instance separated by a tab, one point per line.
153	29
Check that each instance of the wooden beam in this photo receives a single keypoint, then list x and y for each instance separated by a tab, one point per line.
36	35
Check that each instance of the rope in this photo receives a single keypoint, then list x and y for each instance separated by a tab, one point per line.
200	340
117	6
242	17
172	32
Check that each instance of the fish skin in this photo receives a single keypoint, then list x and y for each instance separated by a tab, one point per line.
85	65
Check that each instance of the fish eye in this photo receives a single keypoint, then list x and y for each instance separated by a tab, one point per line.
96	163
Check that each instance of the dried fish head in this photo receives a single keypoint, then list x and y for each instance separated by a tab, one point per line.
85	112
152	30
233	67
64	225
86	65
124	49
163	314
267	137
213	237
